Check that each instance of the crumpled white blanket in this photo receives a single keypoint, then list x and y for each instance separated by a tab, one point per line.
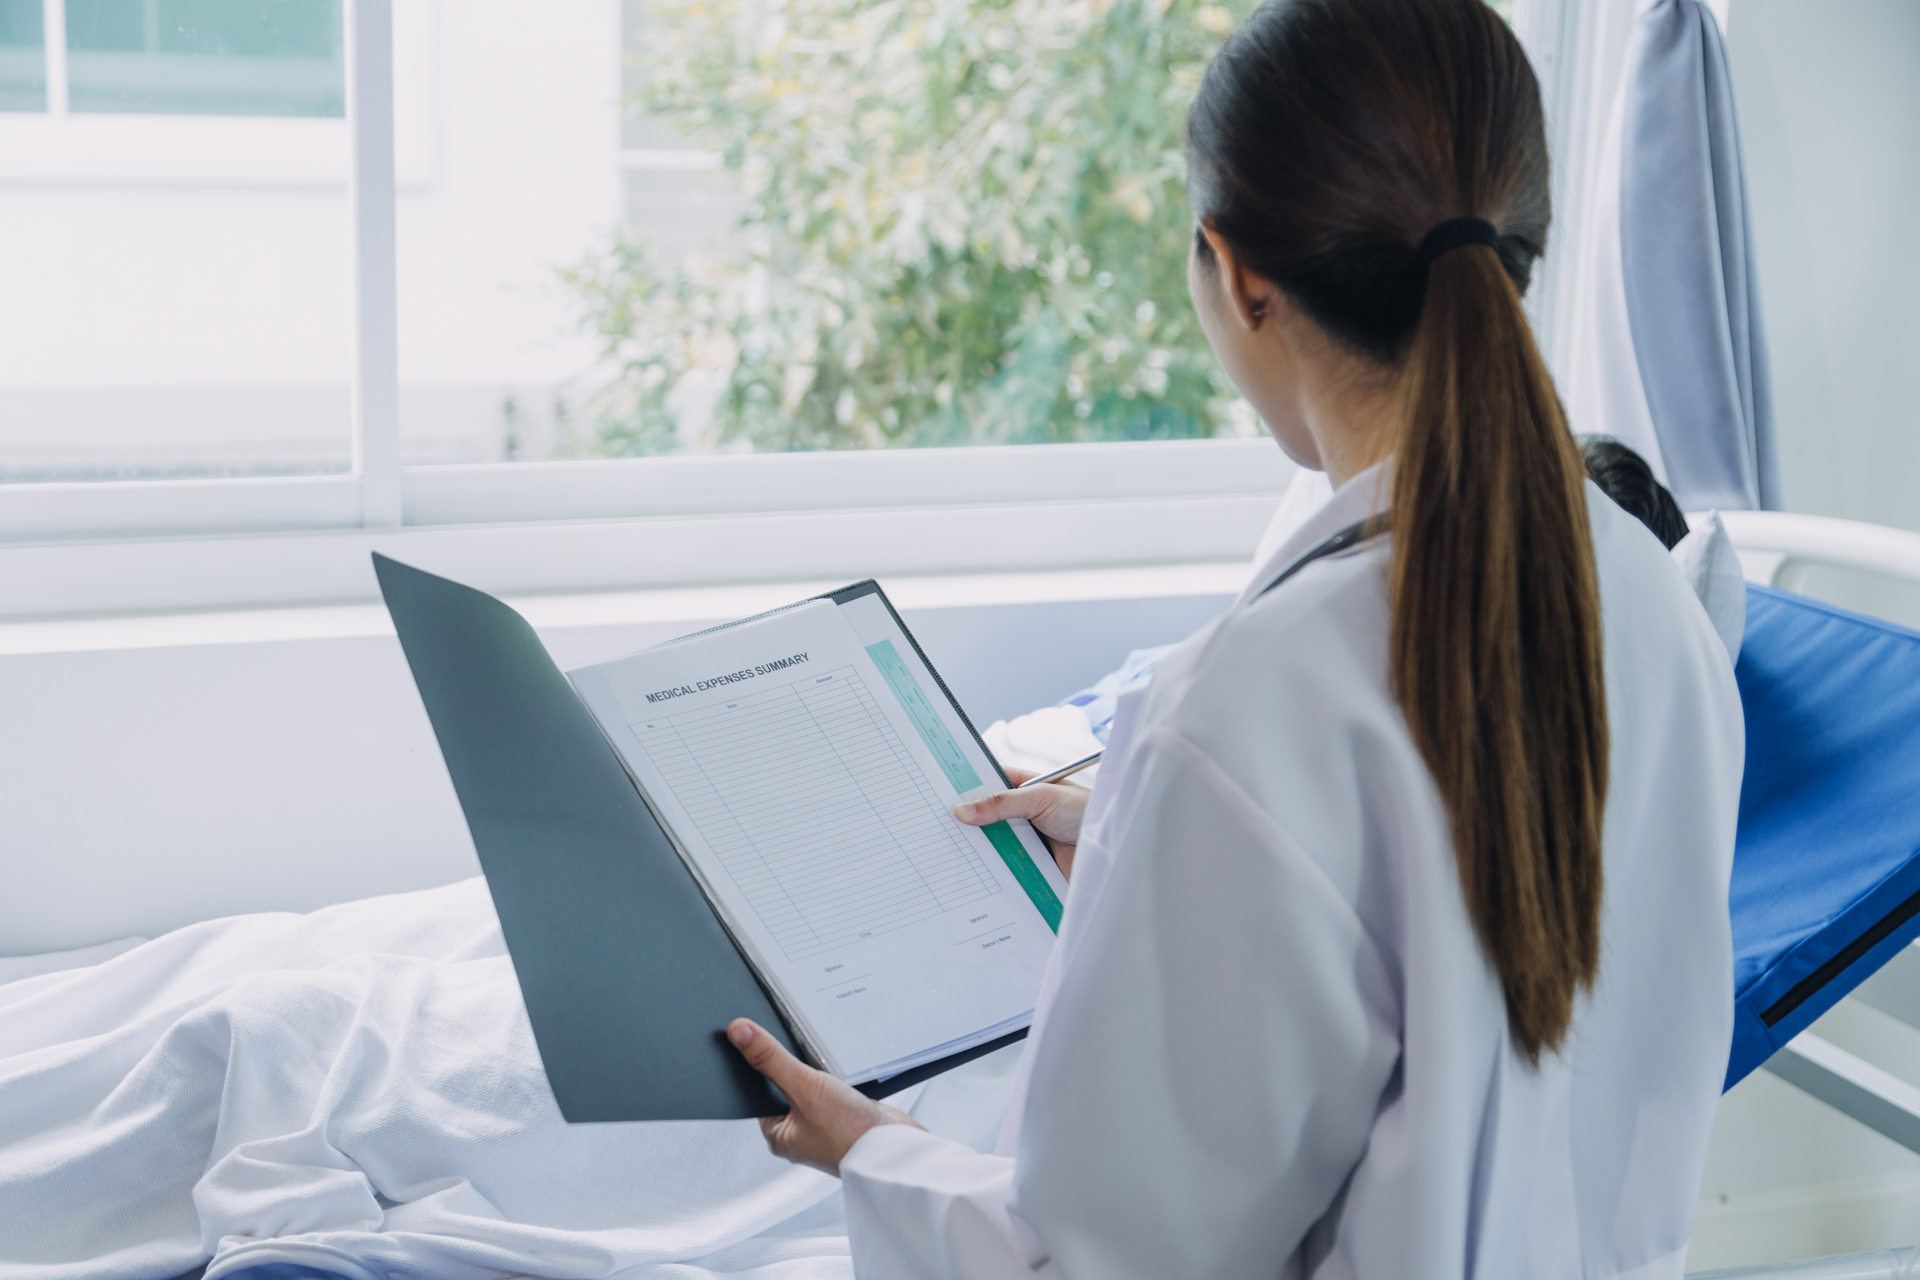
1044	740
357	1091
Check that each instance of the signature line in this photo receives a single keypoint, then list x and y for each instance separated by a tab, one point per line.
831	985
964	941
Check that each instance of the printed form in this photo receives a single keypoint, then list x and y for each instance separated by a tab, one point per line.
808	764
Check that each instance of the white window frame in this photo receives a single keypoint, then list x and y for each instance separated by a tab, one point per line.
1059	505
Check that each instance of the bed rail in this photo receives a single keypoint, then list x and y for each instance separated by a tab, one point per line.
1800	542
1887	1264
1778	548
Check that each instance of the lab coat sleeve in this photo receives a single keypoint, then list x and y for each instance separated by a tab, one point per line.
1210	1070
918	1206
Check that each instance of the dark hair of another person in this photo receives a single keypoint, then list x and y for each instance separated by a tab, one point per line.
1328	137
1624	476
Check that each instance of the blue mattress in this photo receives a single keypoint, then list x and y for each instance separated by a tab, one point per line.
1826	867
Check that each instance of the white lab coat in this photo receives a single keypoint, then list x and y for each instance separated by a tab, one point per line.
1270	1044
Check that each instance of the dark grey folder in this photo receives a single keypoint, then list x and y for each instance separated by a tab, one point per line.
629	978
628	975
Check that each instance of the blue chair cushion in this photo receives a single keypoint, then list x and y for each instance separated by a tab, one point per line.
1826	864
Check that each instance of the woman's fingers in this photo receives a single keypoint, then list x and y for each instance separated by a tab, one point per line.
1055	809
828	1115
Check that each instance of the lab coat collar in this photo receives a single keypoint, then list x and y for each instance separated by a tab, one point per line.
1364	494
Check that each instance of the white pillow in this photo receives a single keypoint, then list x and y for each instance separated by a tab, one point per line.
1706	556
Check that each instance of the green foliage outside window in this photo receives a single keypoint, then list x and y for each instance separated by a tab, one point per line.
966	223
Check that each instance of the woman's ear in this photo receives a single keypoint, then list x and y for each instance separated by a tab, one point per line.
1249	297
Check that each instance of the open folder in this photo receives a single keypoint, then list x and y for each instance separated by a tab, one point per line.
752	821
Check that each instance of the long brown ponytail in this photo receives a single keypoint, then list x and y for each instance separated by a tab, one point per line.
1328	138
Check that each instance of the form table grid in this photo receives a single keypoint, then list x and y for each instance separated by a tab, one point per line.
815	808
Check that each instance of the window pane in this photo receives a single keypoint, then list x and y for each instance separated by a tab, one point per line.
503	180
206	57
23	56
171	331
178	295
816	224
953	222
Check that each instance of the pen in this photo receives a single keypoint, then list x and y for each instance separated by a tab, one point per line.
1065	771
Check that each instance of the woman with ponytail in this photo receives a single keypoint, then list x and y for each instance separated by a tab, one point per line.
1397	944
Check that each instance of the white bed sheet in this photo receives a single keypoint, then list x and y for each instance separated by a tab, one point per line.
14	968
357	1091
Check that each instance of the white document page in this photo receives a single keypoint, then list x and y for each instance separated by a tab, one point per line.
807	763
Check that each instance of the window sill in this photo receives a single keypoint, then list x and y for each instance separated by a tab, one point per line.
612	489
687	606
72	580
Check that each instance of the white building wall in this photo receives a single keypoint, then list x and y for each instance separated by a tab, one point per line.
179	289
519	176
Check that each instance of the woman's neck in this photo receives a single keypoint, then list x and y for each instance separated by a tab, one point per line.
1355	429
1350	405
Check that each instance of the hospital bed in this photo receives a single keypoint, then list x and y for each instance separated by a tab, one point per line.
1826	882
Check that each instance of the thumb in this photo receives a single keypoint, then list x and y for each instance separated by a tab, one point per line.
768	1056
1019	803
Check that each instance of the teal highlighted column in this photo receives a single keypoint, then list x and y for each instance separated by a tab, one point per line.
1014	854
953	762
933	730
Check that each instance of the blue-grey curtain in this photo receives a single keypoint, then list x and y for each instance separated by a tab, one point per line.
1686	251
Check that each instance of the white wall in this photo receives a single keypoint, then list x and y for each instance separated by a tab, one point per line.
146	787
1788	1177
1829	101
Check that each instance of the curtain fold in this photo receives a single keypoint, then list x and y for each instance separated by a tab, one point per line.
1686	265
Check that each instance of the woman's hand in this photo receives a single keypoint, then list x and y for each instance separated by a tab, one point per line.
1054	808
828	1115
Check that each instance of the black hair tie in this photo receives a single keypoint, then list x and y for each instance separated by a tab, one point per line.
1453	233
